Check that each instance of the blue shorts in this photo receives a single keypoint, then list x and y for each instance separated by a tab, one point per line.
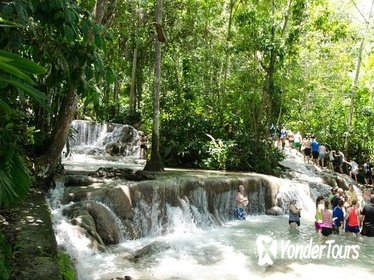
354	229
240	213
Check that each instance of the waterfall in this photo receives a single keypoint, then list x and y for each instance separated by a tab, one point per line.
136	210
91	138
183	226
68	237
87	133
185	229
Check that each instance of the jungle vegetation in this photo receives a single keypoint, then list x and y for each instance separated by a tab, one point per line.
205	78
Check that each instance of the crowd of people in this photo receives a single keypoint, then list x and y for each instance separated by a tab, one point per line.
340	212
322	155
344	211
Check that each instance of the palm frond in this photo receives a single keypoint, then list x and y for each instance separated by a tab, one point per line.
15	179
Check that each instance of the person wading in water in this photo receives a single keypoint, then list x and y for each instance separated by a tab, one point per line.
241	203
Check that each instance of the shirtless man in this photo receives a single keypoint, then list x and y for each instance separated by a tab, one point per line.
307	148
241	201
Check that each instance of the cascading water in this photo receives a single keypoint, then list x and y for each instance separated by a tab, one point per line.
91	138
187	231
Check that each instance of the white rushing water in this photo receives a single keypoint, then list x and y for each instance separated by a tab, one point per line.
189	250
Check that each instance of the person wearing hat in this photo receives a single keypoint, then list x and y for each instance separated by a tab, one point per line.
294	215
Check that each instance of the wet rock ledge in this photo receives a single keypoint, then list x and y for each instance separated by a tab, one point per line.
31	235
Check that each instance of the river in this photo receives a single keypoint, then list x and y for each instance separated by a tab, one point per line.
260	247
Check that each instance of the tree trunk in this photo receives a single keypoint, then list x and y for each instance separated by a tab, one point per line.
154	164
132	100
268	87
117	88
99	10
104	11
269	98
47	163
355	83
226	61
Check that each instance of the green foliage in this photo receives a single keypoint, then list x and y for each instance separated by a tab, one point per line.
132	118
15	76
218	151
15	73
5	255
185	144
14	176
66	266
64	38
318	99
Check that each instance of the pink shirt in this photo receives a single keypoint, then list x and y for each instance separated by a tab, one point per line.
327	219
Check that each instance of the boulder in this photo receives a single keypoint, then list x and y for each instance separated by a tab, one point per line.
79	180
150	249
113	149
122	173
275	211
120	200
97	221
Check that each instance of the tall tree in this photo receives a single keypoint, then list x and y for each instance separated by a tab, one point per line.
155	164
356	79
62	37
132	100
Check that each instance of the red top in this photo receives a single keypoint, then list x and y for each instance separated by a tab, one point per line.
353	218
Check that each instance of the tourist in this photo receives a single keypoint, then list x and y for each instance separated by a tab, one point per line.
332	193
327	219
351	193
297	141
332	160
368	173
368	219
143	146
347	201
273	131
314	148
353	218
241	201
319	210
339	195
291	139
354	169
294	215
283	136
341	160
366	197
338	217
322	150
307	145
